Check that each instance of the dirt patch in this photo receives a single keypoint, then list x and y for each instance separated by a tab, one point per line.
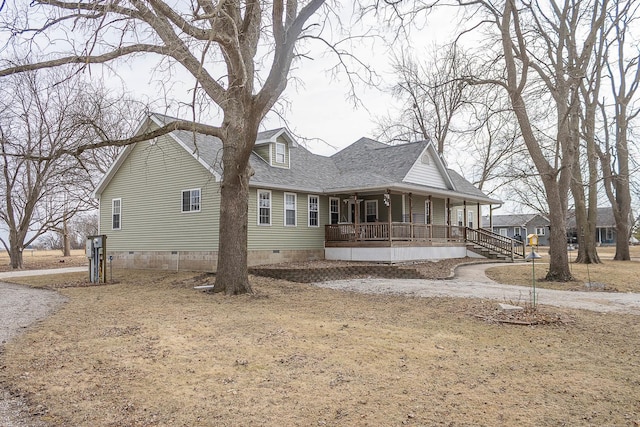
151	351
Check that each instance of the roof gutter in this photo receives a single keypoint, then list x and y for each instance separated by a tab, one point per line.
417	189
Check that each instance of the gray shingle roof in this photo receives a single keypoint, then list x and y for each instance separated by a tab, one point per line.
390	161
605	218
363	164
516	220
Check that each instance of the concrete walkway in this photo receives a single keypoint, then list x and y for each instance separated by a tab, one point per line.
24	273
471	282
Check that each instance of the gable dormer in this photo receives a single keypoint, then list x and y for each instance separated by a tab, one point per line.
274	147
429	169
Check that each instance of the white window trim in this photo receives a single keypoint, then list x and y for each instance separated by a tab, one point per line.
258	192
517	231
284	153
608	235
503	231
540	231
470	219
295	210
337	199
460	218
366	210
119	213
199	201
309	210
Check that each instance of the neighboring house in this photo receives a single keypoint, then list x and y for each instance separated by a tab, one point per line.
605	227
519	226
160	201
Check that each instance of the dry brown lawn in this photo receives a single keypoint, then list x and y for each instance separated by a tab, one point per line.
151	351
612	276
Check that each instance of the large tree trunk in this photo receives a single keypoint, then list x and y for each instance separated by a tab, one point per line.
621	204
586	218
232	276
622	213
66	242
559	270
15	250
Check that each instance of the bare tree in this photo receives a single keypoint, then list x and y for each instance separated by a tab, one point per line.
623	75
584	184
433	94
222	45
41	191
546	46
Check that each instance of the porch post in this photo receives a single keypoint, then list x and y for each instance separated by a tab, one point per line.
411	216
464	219
389	214
479	218
490	218
357	215
430	225
448	218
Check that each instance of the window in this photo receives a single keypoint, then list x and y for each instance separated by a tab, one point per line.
609	235
427	212
116	214
371	210
460	218
516	231
334	210
314	221
540	231
264	207
191	200
503	232
290	209
470	219
280	149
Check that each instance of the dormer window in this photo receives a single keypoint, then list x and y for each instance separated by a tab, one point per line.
280	152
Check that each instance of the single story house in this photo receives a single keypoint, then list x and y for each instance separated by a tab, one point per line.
159	203
605	227
519	226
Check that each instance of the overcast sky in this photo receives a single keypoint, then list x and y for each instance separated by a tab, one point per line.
317	105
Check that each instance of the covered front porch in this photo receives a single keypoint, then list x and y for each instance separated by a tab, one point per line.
401	227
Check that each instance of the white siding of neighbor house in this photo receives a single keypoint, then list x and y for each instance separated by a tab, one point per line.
150	183
426	174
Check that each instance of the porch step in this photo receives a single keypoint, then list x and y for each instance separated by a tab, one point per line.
487	253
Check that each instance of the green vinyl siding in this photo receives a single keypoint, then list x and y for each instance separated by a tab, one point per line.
418	202
150	183
277	236
396	208
274	161
439	211
262	151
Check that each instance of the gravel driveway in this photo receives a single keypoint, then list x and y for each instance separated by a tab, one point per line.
20	306
471	282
